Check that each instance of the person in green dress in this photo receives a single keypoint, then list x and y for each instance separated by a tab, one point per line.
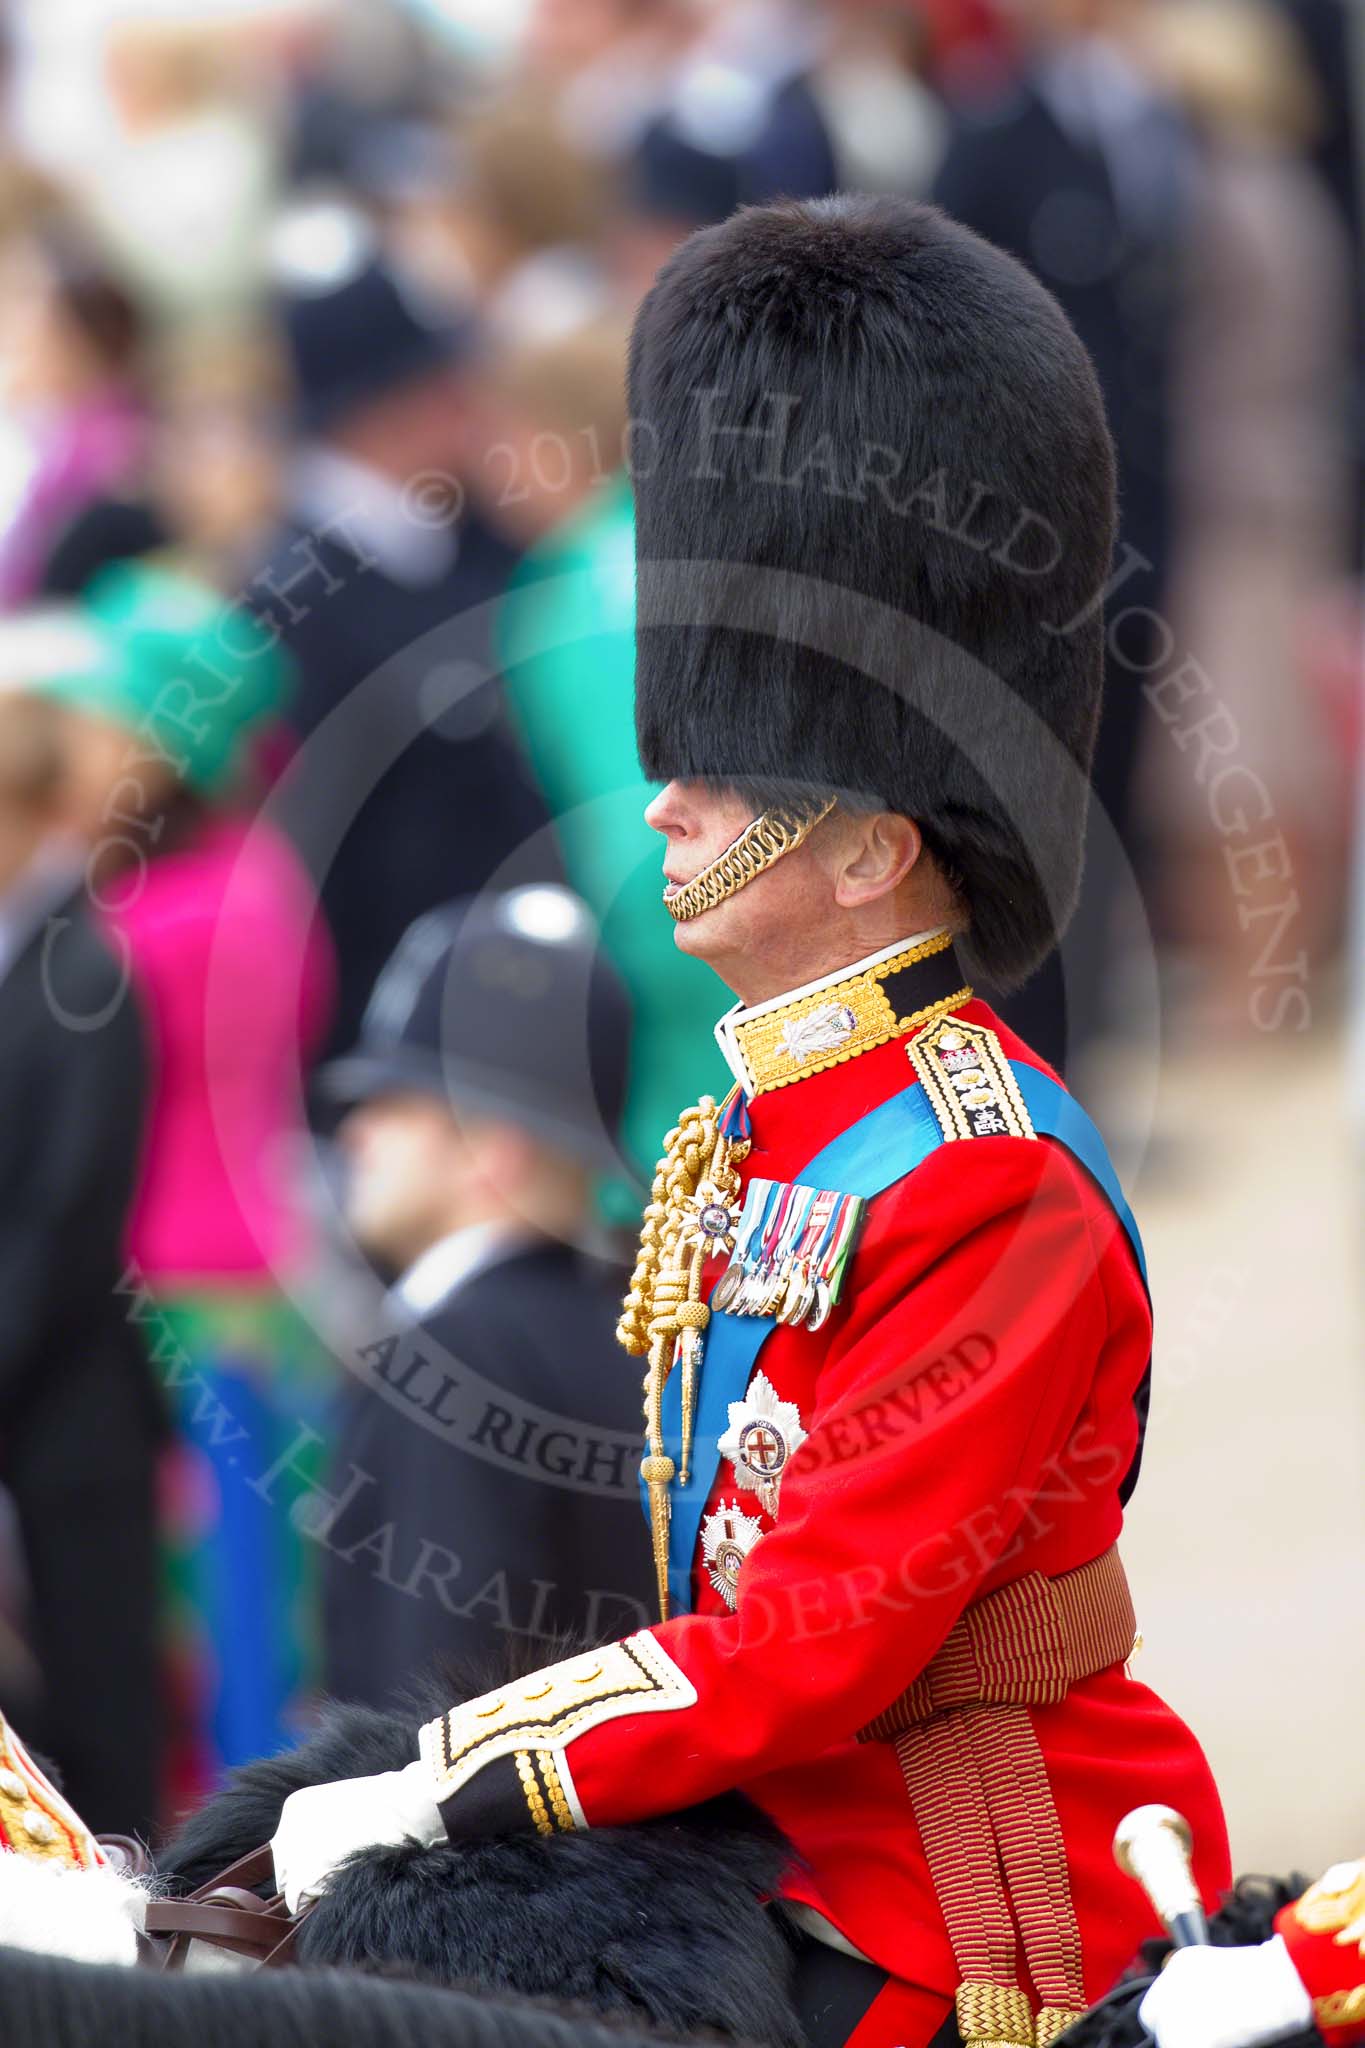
567	647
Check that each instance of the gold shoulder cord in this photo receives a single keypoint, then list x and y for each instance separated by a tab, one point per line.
663	1315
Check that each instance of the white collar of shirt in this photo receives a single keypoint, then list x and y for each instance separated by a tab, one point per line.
452	1263
345	500
725	1030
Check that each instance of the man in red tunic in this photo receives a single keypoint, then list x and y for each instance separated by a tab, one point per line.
889	1293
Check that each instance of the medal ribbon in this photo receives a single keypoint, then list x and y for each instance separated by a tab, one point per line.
820	1221
770	1243
758	1203
794	1225
847	1220
734	1115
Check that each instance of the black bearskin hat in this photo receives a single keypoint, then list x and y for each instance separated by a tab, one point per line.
875	511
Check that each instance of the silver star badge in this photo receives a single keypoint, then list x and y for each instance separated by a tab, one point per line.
727	1537
765	1434
710	1222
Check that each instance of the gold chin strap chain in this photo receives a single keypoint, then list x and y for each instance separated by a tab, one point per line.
770	835
663	1315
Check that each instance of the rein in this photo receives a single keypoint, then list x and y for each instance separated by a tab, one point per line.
226	1913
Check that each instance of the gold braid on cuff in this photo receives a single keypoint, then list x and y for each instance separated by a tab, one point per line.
770	835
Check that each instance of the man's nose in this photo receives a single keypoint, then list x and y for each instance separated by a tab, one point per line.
666	812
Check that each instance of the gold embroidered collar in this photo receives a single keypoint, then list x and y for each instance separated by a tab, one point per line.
849	1012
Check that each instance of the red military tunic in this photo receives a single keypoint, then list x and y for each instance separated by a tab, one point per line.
968	1409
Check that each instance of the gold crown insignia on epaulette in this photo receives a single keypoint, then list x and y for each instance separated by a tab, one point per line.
968	1082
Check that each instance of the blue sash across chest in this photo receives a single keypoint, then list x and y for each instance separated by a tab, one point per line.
866	1159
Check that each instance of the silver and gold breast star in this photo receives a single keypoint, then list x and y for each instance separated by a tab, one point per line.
764	1436
727	1537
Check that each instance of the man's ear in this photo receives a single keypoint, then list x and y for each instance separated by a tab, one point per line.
880	855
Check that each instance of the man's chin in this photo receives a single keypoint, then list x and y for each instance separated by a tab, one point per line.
708	938
697	935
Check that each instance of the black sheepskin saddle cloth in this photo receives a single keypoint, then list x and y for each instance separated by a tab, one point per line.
663	1923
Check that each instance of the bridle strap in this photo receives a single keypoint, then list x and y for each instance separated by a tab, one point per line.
227	1913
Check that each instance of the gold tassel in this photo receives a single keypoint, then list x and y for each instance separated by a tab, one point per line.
657	1473
1052	2020
662	1317
692	1315
993	2015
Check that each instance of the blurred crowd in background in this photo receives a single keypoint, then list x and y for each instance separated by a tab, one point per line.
316	574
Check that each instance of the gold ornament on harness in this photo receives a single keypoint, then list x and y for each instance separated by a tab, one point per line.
691	1213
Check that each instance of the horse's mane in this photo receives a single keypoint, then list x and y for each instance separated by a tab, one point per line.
60	2004
662	1923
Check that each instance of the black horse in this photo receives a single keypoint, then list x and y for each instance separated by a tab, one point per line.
671	1923
665	1929
48	2002
666	1923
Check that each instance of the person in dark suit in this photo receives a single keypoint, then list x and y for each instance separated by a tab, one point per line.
1330	35
1080	169
692	163
80	1418
484	1491
408	787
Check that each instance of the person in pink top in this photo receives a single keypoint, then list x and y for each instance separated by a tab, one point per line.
215	941
215	924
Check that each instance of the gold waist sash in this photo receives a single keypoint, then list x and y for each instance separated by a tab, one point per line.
981	1798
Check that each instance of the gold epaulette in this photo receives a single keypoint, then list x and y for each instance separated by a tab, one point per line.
968	1082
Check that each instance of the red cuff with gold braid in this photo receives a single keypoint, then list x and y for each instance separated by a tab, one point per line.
1324	1932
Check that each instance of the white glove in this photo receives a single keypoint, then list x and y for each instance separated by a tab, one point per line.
322	1825
1226	1998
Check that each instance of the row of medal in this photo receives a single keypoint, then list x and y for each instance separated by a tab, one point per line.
791	1249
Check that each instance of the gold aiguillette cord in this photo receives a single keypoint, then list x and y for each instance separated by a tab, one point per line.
663	1316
